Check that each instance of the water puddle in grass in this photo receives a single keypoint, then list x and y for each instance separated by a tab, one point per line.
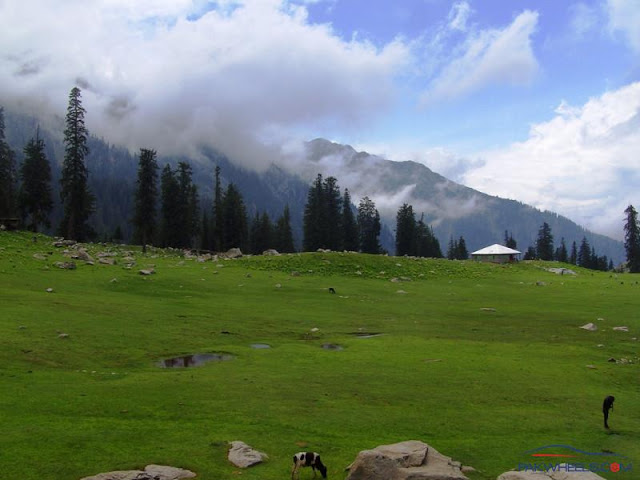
195	360
260	346
331	346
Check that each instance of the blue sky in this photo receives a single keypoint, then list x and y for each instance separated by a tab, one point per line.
535	100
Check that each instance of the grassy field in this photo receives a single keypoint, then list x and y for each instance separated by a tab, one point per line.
483	362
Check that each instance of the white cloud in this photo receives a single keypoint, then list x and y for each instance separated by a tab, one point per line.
583	163
489	57
624	17
458	16
171	74
583	20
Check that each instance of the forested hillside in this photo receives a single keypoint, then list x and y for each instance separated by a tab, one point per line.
451	210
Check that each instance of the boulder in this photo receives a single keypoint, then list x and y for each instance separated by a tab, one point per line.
147	271
592	327
410	460
243	456
151	472
271	251
233	253
621	329
561	473
66	265
83	255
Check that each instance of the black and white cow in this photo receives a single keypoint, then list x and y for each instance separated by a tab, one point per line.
308	459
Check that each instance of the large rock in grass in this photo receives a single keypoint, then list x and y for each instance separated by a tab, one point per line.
560	474
150	472
410	460
243	456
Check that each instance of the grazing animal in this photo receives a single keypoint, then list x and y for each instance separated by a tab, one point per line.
332	290
308	459
606	406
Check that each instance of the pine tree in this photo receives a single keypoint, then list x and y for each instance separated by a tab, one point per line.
349	224
234	220
189	219
314	221
562	255
146	197
509	241
8	175
584	254
332	203
369	227
217	220
261	234
405	230
35	197
462	253
283	233
452	248
544	243
573	258
77	200
632	239
530	254
170	208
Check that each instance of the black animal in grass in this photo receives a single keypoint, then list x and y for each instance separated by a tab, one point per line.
606	406
308	459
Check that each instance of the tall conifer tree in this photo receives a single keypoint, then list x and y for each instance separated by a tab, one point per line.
77	200
349	224
369	226
8	175
632	239
35	198
283	233
146	197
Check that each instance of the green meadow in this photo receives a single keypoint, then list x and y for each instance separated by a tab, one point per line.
483	362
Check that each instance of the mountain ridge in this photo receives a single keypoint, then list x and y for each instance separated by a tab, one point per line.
452	209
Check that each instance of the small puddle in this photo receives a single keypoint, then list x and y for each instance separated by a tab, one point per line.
260	346
331	346
195	360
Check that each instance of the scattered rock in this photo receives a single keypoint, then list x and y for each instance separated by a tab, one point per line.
149	271
561	271
401	292
39	256
621	329
612	360
410	460
562	472
243	456
63	335
150	472
592	327
271	251
63	243
592	367
278	285
295	274
107	260
49	290
233	253
66	265
541	284
113	280
83	255
488	309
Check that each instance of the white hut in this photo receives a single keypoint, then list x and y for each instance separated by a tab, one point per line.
496	253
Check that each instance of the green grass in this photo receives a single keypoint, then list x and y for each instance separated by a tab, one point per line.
477	360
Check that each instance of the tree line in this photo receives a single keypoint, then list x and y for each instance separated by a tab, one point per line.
167	210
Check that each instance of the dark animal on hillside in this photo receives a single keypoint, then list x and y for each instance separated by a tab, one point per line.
308	459
332	290
606	406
